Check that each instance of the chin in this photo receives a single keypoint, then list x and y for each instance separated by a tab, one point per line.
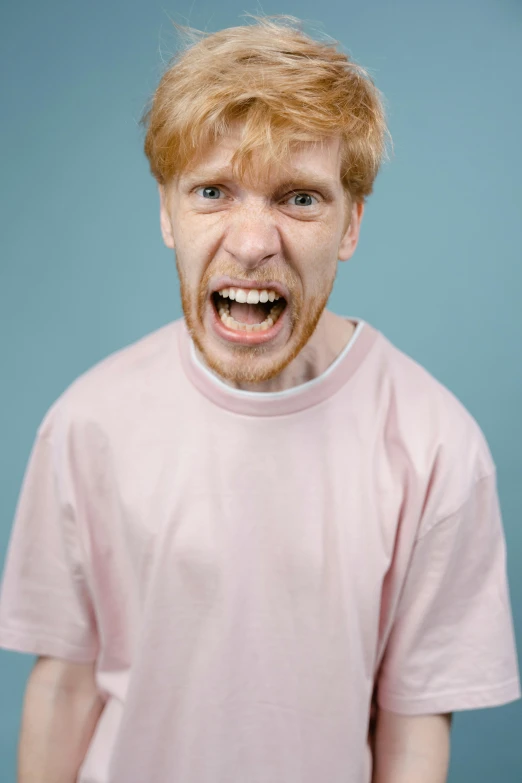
252	364
253	370
239	364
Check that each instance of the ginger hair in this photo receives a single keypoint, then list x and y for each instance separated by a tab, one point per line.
283	86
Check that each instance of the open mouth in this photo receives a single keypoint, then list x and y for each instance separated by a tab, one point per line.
249	310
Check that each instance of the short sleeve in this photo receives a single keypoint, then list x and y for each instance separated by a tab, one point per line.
45	607
452	643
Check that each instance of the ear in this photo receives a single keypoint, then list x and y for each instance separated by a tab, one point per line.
165	222
351	235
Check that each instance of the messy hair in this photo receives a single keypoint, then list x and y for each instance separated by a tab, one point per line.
282	85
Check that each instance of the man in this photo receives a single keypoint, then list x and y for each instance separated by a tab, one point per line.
244	534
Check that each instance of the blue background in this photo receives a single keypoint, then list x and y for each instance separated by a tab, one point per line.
438	270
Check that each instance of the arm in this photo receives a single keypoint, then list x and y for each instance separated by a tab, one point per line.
61	709
411	748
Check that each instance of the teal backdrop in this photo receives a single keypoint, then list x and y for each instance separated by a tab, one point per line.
438	270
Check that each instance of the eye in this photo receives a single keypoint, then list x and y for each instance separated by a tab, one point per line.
210	192
303	200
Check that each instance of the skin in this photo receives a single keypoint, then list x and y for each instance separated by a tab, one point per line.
411	748
258	231
62	707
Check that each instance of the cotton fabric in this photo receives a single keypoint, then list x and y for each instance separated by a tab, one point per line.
248	570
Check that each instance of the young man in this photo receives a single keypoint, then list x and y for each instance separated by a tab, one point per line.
243	536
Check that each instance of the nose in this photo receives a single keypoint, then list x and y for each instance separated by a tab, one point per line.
252	237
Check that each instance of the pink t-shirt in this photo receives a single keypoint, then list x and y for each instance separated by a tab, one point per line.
248	569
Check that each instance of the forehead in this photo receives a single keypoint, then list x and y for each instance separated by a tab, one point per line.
319	161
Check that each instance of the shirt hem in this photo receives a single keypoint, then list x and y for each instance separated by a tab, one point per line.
455	701
38	644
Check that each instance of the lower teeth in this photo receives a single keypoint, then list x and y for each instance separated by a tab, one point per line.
226	318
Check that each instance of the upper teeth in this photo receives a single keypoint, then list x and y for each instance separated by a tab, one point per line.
250	295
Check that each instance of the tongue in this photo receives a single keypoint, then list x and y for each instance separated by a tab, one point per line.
247	313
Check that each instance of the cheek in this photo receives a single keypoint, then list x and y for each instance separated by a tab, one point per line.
191	252
197	241
317	238
316	253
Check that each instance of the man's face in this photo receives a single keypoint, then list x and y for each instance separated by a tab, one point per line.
279	236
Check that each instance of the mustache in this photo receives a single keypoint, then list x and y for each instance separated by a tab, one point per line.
260	275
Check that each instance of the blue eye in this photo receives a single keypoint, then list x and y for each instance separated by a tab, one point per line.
210	192
302	199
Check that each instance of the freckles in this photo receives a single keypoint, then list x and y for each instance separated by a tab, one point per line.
200	236
315	242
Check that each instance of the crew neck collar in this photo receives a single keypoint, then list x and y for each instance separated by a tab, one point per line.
291	400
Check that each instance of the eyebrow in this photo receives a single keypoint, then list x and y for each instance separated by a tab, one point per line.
296	179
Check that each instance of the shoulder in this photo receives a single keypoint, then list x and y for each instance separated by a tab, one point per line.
115	391
440	440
